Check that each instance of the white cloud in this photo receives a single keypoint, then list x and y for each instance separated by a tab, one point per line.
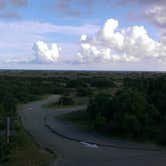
108	44
45	53
154	11
17	37
127	45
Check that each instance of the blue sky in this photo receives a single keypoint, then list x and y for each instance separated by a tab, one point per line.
118	34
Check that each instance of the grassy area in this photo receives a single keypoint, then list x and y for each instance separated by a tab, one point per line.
77	101
26	153
79	118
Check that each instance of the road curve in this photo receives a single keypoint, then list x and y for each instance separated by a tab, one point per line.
69	131
76	154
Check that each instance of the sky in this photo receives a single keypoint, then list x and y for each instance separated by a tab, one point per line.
83	34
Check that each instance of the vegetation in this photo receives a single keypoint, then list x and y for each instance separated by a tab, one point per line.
126	104
66	101
127	114
136	111
79	118
23	151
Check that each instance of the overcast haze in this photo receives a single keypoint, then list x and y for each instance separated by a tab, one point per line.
83	34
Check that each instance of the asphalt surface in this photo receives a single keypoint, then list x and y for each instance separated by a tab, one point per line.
73	153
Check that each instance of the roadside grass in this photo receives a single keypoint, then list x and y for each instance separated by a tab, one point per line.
82	121
77	101
26	153
78	118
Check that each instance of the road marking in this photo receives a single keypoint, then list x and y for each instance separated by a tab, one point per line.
89	145
30	108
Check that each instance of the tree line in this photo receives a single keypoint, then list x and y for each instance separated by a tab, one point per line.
136	111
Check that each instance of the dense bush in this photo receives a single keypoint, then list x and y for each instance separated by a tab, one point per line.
24	86
154	88
101	82
127	114
66	100
84	91
137	111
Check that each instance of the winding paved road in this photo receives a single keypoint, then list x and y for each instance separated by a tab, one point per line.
72	153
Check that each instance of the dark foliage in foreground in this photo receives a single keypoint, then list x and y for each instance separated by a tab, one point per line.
137	111
24	86
133	105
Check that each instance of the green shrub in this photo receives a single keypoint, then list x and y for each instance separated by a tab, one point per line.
66	100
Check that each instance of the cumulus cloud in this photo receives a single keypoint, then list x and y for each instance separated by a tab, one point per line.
111	45
24	33
45	53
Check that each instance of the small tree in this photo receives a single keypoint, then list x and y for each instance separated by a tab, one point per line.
84	91
66	100
99	122
9	104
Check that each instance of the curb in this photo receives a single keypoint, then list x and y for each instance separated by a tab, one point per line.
46	149
99	144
